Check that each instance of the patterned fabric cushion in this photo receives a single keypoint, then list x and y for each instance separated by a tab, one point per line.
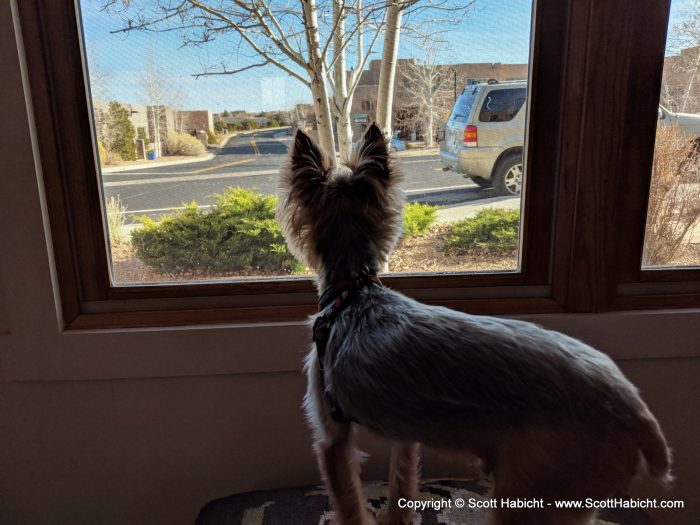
310	506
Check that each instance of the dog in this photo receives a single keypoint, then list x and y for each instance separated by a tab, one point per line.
550	417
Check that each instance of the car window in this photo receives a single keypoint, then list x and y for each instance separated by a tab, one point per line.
464	104
501	105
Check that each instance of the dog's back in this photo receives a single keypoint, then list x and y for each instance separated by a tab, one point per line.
437	376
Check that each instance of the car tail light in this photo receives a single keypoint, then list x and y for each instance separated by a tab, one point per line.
471	137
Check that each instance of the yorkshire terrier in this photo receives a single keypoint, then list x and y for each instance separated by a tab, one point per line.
550	417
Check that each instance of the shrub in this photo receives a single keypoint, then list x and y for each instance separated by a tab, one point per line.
211	138
239	233
112	157
494	230
183	144
121	133
220	126
674	196
273	123
418	218
116	222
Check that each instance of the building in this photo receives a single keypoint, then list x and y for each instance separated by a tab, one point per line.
154	123
365	99
680	87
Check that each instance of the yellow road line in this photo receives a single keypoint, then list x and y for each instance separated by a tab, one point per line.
255	148
212	168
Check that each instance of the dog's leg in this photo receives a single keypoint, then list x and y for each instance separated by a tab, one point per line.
403	483
336	454
337	458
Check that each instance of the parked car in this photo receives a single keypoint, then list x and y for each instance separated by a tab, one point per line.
688	122
396	143
485	134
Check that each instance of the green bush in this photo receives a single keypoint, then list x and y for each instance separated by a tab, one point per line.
183	144
211	138
273	123
418	218
239	233
493	230
121	132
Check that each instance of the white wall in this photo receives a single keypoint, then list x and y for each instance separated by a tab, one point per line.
147	426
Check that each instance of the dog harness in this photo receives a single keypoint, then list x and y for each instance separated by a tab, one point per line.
332	301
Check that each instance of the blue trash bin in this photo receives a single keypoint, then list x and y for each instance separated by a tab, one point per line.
152	155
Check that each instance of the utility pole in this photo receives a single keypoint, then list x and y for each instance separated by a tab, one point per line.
454	72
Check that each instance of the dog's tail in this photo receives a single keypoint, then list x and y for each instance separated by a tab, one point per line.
655	451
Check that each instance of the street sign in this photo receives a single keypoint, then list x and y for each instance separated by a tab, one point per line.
360	118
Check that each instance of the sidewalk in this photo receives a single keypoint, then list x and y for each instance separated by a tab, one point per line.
470	209
146	164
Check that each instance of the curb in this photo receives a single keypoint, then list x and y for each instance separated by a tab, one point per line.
157	164
466	211
418	152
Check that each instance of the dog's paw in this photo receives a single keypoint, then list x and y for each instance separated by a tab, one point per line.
402	517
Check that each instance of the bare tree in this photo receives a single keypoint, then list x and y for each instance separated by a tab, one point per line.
427	83
681	85
366	20
308	43
100	94
674	197
397	13
156	89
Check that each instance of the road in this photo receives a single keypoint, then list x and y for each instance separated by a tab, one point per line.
253	161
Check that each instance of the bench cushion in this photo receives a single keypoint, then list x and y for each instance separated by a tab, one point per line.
310	506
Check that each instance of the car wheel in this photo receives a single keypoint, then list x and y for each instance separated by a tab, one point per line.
482	182
508	175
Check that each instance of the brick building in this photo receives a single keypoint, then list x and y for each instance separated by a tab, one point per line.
365	99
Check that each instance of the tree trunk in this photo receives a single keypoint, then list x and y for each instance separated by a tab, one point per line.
387	75
317	72
345	131
431	120
342	102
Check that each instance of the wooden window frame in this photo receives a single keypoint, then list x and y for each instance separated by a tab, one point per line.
595	80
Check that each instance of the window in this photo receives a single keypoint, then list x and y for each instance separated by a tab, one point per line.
501	105
672	237
584	207
187	200
463	107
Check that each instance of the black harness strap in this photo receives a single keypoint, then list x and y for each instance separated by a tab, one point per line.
332	301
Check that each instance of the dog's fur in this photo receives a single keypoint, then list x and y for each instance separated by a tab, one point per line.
548	415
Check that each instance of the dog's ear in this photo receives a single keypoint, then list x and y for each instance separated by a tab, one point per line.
308	166
372	155
306	155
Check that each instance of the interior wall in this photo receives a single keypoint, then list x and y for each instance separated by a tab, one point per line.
144	427
154	451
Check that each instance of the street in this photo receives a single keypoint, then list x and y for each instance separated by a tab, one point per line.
253	161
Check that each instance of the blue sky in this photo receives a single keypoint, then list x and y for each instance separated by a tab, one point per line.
493	31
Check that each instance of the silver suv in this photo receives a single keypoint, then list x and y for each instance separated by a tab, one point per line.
485	133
